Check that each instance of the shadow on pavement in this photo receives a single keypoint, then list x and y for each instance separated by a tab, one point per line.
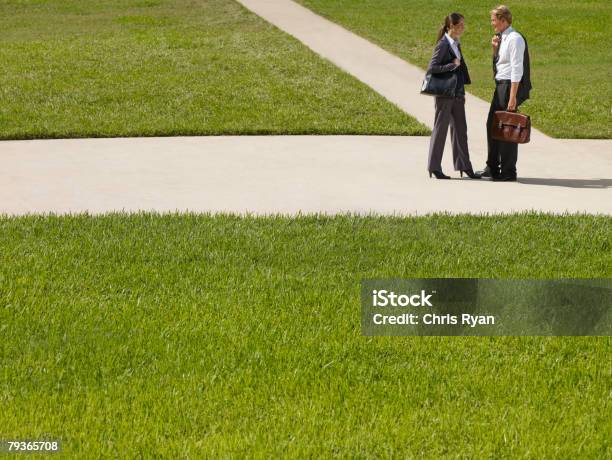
572	183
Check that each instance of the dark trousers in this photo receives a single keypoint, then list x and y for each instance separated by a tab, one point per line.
449	110
501	156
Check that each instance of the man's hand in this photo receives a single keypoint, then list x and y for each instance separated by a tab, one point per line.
495	42
512	99
511	104
457	62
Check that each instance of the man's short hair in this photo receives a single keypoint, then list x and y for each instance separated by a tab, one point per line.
502	12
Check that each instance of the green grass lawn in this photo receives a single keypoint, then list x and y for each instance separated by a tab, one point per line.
84	68
206	337
572	96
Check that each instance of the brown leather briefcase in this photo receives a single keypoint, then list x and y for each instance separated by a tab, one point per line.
511	127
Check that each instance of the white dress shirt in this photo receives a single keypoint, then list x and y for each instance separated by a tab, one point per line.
510	56
454	46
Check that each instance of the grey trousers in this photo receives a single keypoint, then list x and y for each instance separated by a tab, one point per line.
449	110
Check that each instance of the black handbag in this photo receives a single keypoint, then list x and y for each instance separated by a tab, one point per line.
440	84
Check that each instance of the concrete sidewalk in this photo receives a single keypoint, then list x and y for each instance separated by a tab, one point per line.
395	79
309	174
284	174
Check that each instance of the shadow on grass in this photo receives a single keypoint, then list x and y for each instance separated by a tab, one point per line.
572	183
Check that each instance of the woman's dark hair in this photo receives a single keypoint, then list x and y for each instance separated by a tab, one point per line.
454	19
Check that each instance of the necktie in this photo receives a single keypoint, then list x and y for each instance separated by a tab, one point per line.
496	55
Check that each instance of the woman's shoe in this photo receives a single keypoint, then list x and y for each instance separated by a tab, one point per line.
438	174
471	174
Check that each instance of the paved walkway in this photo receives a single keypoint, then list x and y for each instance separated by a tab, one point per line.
282	174
291	174
394	78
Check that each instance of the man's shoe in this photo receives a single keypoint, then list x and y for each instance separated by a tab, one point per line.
486	173
504	179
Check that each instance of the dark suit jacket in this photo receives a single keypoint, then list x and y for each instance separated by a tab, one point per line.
442	60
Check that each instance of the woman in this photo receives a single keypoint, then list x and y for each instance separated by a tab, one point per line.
447	57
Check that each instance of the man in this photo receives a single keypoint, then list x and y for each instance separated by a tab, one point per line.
512	85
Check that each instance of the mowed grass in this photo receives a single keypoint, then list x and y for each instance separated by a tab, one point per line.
572	95
84	68
194	336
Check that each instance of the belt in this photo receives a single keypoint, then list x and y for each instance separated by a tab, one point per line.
500	82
